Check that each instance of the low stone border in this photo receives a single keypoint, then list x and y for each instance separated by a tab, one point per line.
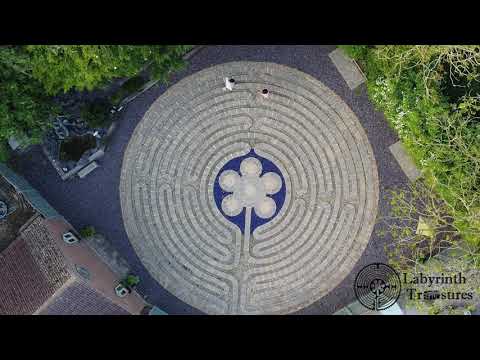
106	139
193	52
405	162
67	175
348	68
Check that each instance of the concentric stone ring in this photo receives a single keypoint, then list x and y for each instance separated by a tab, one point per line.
184	163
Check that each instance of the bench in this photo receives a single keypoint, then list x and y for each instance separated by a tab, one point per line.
88	169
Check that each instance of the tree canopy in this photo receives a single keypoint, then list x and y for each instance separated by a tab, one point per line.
86	67
31	75
24	106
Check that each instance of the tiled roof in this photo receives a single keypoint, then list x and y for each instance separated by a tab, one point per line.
23	288
31	271
80	299
49	258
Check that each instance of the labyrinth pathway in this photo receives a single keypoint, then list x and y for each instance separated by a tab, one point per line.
238	203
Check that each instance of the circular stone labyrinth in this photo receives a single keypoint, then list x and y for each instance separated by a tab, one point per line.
238	203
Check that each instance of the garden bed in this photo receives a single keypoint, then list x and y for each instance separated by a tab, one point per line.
73	148
71	144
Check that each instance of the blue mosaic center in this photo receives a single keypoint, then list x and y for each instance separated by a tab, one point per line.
248	178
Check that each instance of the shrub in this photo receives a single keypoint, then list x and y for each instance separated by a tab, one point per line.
25	110
86	67
447	227
96	114
87	231
4	151
441	248
131	281
129	87
440	128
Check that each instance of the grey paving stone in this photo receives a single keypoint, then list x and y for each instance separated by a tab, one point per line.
87	169
173	159
347	68
405	161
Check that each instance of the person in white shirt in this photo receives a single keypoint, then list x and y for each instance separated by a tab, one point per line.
229	83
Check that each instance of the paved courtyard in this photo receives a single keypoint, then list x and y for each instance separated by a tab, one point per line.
236	203
194	247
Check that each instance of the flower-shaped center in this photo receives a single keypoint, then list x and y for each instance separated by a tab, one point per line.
249	189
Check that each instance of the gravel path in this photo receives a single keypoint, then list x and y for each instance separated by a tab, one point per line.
95	199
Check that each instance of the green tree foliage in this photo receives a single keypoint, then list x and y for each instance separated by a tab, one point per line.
355	51
96	114
431	97
448	228
130	86
86	67
24	106
87	231
4	151
440	246
130	281
452	298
